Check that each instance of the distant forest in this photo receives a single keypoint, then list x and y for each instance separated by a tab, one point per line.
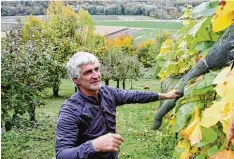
147	8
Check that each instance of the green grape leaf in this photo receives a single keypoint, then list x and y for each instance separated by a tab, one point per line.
202	90
204	52
203	45
184	112
212	151
198	26
202	31
201	157
171	69
161	61
208	136
205	9
201	86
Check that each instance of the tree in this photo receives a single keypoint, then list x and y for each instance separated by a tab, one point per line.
33	29
68	32
85	26
134	70
124	42
24	77
119	66
143	53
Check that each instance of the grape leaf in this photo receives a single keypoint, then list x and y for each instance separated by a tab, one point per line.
208	136
204	45
205	9
184	112
223	17
212	115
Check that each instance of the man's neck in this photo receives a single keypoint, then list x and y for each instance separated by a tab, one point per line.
86	92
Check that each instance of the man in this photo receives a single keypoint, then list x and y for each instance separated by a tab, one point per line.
86	126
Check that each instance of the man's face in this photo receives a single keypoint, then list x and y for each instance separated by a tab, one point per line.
90	77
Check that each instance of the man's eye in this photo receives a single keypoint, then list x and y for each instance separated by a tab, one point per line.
87	72
97	69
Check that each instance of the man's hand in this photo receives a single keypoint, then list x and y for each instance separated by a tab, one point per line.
170	95
230	134
108	143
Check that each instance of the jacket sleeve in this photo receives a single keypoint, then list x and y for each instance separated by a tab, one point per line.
67	136
129	96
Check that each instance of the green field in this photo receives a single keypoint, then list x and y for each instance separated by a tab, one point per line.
144	34
121	17
167	25
134	123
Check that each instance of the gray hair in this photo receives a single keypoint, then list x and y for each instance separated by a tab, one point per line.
78	59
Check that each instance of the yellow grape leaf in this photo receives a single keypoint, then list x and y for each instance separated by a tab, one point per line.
193	130
172	120
225	125
186	154
225	154
212	115
166	46
162	74
227	109
230	88
221	77
182	144
225	85
194	149
223	16
221	89
196	135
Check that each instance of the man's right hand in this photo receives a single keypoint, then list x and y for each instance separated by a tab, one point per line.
108	143
230	134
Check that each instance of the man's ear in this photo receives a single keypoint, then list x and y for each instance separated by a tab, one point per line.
76	81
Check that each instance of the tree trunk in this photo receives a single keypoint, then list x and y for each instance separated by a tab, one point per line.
117	83
32	112
131	84
107	82
123	84
8	125
55	91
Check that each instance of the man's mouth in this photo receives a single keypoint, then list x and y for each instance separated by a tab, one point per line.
94	82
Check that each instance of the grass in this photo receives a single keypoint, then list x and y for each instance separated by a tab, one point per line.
173	25
134	123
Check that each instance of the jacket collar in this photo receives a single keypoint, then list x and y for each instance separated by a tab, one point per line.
90	99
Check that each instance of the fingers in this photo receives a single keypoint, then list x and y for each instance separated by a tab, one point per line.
115	147
117	140
118	137
229	139
113	142
228	145
180	93
177	93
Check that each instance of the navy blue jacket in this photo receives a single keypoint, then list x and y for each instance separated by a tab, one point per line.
82	119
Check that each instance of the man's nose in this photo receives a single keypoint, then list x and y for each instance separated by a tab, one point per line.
95	74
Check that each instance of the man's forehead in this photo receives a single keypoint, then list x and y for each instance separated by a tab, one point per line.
89	66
